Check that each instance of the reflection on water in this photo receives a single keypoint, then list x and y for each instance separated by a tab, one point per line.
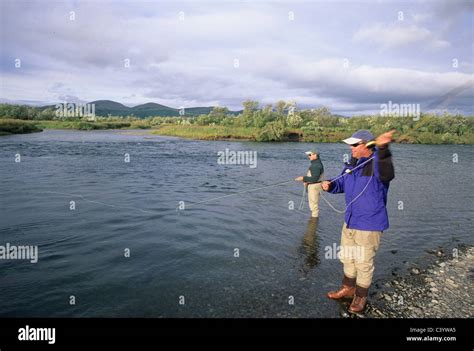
310	245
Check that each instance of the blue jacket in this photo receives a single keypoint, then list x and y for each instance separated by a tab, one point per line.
368	211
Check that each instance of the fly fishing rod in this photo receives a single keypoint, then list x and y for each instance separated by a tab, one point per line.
350	170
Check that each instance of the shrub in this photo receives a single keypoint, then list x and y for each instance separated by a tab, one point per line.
273	131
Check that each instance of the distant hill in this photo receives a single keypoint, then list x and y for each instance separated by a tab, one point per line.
150	109
153	109
106	107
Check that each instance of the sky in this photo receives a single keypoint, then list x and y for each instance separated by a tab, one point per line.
351	56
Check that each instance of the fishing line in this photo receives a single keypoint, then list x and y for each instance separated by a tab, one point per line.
303	197
350	203
352	170
348	171
300	207
238	193
95	202
154	212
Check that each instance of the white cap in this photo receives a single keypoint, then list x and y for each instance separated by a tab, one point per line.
352	140
360	135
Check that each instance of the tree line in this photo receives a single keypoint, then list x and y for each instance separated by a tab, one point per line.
275	122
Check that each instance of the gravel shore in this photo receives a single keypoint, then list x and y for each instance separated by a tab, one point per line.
445	289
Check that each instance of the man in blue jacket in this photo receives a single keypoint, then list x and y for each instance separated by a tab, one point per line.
366	217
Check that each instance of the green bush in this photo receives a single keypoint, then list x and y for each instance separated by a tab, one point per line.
12	126
273	131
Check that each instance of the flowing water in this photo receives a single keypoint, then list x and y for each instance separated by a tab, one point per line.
126	251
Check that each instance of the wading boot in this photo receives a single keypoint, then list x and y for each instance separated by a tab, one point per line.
358	304
345	291
360	299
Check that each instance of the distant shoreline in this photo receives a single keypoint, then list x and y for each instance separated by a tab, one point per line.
217	133
222	133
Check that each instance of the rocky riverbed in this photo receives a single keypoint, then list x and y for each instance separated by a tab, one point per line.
444	289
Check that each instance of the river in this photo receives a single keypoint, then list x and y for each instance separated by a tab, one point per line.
122	248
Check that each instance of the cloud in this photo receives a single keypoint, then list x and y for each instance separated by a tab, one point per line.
421	17
399	35
366	83
190	61
286	76
71	99
451	10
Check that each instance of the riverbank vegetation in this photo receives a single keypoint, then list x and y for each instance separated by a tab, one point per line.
14	126
282	122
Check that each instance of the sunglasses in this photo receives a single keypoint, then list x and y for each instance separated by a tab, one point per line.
357	144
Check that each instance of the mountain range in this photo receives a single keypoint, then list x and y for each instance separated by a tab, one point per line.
150	109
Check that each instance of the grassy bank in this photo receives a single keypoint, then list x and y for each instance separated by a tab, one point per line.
268	124
15	126
81	125
208	132
412	137
323	136
219	132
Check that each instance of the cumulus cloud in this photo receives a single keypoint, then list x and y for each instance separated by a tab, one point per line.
399	35
186	54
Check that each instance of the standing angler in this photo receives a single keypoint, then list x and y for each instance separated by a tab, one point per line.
312	181
366	213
